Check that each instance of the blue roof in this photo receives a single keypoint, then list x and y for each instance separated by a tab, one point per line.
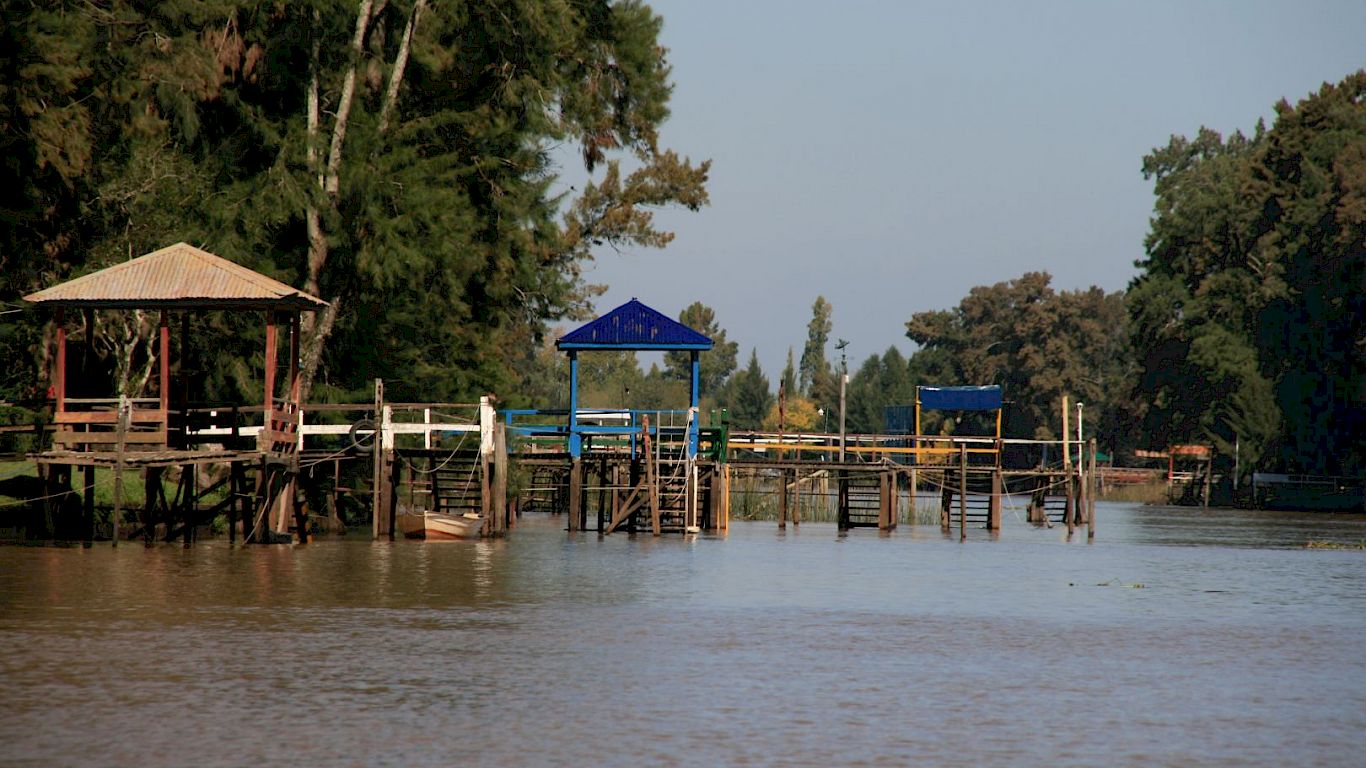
986	398
634	326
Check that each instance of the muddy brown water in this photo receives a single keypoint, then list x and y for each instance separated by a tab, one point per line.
1179	637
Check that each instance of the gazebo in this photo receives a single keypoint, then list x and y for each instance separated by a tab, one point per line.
634	327
120	432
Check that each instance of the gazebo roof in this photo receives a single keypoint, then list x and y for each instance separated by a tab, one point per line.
634	326
180	276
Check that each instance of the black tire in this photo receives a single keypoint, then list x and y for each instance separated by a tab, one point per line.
359	443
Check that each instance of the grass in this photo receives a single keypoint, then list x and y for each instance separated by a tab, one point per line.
1146	493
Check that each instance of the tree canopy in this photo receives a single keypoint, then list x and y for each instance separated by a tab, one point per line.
395	158
1247	313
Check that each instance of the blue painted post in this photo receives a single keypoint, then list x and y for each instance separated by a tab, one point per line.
575	442
692	403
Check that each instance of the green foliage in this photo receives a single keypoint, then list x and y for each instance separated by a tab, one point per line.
425	161
881	381
714	366
751	397
813	364
1038	345
1247	316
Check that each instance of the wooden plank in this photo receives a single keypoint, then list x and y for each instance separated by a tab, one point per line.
66	437
87	417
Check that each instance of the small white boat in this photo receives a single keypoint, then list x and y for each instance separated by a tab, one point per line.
439	526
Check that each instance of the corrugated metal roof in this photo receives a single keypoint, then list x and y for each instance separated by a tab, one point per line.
178	275
634	326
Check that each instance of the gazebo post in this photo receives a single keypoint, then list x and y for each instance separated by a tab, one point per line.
59	369
693	386
272	352
165	377
575	442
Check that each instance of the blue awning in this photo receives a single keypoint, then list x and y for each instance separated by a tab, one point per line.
986	398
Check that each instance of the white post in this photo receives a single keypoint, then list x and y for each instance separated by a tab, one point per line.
844	380
486	417
386	431
427	428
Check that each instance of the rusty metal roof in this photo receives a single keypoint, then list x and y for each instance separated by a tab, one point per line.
178	276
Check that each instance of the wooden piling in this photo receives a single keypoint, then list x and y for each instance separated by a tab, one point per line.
1069	509
994	508
1091	497
88	504
376	457
782	498
962	492
575	493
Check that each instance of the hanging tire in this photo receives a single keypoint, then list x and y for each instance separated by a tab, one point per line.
362	443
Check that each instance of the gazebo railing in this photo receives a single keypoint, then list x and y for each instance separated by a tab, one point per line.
110	424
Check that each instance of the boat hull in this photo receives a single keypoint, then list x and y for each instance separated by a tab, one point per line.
438	526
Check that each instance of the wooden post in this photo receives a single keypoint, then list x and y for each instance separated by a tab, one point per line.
189	482
272	353
1066	446
962	492
782	499
1209	476
122	430
165	362
395	468
575	493
88	504
502	519
377	469
1091	497
842	505
1069	511
59	369
945	500
994	513
797	507
885	502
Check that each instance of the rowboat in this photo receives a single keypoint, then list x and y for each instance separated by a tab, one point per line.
439	526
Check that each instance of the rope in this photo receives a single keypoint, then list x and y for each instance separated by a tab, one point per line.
58	494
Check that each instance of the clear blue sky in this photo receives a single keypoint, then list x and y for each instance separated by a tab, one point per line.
892	155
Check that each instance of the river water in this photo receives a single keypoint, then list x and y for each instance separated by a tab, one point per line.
1180	637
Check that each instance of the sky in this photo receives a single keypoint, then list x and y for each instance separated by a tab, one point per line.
889	156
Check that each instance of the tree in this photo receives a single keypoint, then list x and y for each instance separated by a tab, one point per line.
1247	314
713	365
881	381
751	398
1194	307
788	383
394	158
1037	345
813	364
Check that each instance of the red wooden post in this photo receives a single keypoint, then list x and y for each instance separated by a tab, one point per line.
165	361
59	370
294	342
271	355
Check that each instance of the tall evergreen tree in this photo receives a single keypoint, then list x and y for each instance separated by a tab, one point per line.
751	398
813	364
713	365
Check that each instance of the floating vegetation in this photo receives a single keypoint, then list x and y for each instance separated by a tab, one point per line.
1114	583
1321	544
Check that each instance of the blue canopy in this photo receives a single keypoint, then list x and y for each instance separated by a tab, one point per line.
634	326
986	398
